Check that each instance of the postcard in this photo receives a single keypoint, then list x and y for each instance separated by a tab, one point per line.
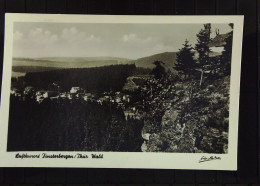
104	91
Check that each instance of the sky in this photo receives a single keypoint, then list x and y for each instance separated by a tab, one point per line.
132	41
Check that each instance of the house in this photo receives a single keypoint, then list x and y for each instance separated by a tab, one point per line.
69	96
15	92
118	99
100	101
75	90
85	97
39	99
63	95
103	99
217	44
28	90
54	97
41	95
126	98
129	114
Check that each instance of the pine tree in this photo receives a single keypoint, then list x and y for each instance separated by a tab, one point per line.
226	55
159	70
203	49
186	64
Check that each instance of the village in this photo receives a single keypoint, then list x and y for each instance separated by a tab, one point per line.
120	99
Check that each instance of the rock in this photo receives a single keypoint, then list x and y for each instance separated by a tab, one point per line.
146	136
169	117
144	147
225	148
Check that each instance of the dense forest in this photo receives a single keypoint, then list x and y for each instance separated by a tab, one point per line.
26	69
97	79
70	126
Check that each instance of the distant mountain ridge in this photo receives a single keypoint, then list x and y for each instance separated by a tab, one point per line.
67	62
72	59
82	59
49	63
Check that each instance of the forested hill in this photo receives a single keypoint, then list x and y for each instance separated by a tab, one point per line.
169	58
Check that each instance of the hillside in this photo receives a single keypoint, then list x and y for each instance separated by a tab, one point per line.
184	124
169	58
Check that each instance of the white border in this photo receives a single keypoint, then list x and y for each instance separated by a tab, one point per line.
125	159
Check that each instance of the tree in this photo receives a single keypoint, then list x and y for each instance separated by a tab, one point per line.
186	64
202	47
159	70
226	54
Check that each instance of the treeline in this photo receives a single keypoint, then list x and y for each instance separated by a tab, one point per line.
96	79
70	126
142	71
207	65
26	69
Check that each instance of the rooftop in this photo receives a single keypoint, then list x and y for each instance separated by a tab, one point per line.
219	40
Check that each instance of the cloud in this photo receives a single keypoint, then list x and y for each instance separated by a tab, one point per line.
34	42
134	38
129	37
40	37
18	36
93	38
42	42
70	41
73	35
139	46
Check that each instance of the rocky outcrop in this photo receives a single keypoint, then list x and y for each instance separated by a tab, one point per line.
199	125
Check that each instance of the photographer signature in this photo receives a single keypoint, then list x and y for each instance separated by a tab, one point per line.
204	158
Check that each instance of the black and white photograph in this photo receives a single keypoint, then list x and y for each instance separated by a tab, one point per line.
121	87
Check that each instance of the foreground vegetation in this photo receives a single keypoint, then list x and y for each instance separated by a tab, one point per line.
64	125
